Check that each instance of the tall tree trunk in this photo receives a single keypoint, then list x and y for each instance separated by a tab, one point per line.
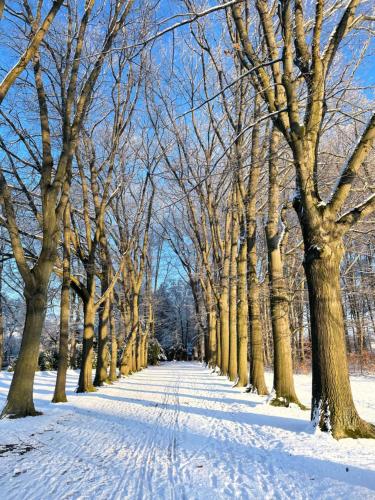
323	225
211	325
113	365
144	350
283	383
135	332
223	303
212	339
101	372
301	329
257	381
265	319
85	377
73	350
218	341
20	397
60	394
233	366
125	358
74	310
347	336
242	311
134	355
138	352
332	402
224	330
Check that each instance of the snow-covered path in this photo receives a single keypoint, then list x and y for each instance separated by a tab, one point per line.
178	431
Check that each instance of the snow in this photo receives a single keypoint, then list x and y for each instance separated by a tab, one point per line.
178	431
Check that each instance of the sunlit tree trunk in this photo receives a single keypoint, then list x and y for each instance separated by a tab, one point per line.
113	364
85	377
233	366
135	333
138	351
60	387
242	310
20	398
211	324
125	358
134	356
101	373
257	381
283	383
224	300
74	322
332	406
218	341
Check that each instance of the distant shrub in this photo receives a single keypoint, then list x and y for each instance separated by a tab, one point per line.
48	360
155	352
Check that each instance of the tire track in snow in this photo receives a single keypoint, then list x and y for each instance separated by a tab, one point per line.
155	471
144	453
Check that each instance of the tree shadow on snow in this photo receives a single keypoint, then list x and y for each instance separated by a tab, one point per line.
204	448
182	395
289	424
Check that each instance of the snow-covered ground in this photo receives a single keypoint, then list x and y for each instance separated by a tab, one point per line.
178	431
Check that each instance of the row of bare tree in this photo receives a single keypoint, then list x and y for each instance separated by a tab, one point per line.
243	145
76	181
272	99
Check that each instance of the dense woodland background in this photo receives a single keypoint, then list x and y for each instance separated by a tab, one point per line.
189	180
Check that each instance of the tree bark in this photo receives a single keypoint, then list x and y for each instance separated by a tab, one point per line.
124	363
212	340
138	352
257	381
113	365
233	353
242	312
332	402
283	383
126	360
134	356
135	333
20	397
224	301
144	350
218	341
74	322
224	330
85	377
101	372
60	394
